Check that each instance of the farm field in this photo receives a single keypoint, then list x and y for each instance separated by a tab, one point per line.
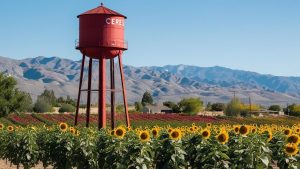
139	119
193	146
153	141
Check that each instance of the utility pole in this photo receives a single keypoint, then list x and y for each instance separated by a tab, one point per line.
250	104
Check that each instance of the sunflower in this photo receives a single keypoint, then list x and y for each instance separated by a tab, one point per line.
170	130
208	125
293	139
297	130
155	132
10	128
244	130
269	135
223	137
253	130
120	132
73	130
191	129
63	127
144	136
291	149
1	126
205	133
236	129
112	132
287	131
175	134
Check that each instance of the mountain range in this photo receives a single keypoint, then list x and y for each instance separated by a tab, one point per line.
170	82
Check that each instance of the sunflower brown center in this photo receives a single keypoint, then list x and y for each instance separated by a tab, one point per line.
236	129
222	137
205	134
293	139
175	134
144	136
290	149
243	130
287	132
119	132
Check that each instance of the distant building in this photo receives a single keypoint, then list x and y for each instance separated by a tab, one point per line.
267	113
154	109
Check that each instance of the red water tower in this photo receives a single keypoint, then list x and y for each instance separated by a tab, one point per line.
101	37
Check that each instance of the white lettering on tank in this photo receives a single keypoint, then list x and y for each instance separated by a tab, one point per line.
114	21
108	21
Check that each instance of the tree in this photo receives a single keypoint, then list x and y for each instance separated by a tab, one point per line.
208	107
218	107
191	105
66	108
275	108
138	106
42	106
11	99
175	108
147	98
234	107
293	110
49	96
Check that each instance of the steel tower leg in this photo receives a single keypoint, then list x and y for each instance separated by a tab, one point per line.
102	94
123	89
88	108
112	94
79	91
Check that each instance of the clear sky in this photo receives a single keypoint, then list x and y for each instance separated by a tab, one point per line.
255	35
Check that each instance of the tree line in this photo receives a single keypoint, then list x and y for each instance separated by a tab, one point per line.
13	100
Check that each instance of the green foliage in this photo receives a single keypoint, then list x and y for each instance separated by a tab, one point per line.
234	107
88	148
138	106
120	108
11	99
191	105
68	100
20	148
293	110
147	98
175	107
49	97
66	108
275	108
218	107
42	106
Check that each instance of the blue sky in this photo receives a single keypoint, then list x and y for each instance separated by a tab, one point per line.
255	35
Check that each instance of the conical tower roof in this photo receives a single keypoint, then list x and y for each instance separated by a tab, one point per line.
102	10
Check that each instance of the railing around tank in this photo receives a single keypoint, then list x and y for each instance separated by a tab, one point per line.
113	43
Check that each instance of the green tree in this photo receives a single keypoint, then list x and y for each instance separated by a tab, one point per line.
191	105
66	108
293	110
275	108
208	106
138	106
49	96
147	98
42	106
234	107
218	107
175	107
11	99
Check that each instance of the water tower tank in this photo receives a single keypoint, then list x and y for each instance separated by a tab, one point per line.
101	33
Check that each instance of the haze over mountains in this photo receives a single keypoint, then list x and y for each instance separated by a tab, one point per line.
171	82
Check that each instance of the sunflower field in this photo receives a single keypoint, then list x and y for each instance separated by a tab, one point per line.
208	146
